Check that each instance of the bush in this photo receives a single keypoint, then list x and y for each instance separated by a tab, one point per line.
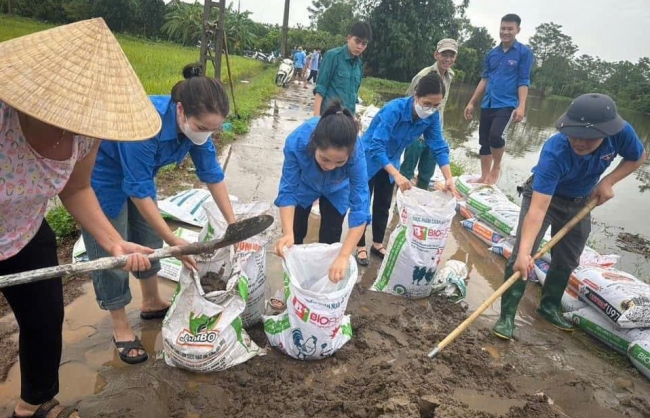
62	223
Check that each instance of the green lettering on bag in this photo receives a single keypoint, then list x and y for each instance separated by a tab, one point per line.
393	255
273	327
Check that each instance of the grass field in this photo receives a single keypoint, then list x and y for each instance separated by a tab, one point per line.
377	91
159	65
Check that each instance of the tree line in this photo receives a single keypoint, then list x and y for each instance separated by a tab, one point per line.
405	35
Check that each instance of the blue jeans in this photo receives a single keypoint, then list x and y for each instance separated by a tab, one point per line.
112	286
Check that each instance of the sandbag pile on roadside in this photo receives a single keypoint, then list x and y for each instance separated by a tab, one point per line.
609	304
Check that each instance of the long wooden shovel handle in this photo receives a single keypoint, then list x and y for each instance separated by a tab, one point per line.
506	285
235	233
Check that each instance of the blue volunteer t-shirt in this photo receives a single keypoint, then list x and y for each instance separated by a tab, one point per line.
303	181
299	59
128	169
506	72
562	172
393	129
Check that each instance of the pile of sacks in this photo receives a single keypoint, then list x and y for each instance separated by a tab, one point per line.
611	305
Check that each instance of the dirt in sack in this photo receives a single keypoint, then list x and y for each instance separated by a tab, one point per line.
415	246
250	254
205	333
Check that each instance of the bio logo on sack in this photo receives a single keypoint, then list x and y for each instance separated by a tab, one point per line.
306	315
423	233
200	333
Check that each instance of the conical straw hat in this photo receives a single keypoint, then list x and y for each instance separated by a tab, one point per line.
76	77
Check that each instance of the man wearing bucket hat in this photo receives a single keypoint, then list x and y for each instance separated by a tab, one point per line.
59	89
418	154
567	175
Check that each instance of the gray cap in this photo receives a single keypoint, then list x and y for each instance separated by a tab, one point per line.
591	116
447	44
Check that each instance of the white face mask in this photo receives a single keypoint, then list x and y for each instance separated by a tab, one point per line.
197	137
422	113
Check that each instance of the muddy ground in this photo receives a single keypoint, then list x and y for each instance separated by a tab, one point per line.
384	371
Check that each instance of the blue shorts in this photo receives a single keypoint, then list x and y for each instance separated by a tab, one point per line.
112	286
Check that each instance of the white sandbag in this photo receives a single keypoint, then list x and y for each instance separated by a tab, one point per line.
79	254
366	117
485	198
503	248
591	257
617	295
204	332
570	299
639	354
462	210
450	280
415	246
251	252
464	186
482	231
187	206
590	321
503	217
170	268
314	324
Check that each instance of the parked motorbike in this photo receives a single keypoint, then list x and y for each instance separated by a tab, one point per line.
285	73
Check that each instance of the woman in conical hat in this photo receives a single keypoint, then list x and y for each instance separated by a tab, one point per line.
59	90
124	181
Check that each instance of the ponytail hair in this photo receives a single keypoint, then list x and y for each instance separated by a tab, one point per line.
337	128
430	84
200	94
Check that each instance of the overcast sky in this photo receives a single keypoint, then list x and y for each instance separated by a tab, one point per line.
611	29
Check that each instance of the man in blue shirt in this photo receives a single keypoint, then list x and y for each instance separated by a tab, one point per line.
505	81
565	178
313	66
299	62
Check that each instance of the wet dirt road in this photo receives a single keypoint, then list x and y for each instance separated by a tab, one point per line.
382	372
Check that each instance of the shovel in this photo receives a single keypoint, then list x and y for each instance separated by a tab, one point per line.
506	285
235	233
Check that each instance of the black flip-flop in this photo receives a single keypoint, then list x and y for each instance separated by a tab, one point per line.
362	261
154	314
377	252
126	347
47	407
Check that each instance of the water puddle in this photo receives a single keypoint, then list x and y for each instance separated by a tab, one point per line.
486	401
87	347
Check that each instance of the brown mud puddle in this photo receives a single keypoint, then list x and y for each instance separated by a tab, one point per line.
633	243
8	327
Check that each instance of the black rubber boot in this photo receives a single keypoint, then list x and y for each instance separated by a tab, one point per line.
552	292
505	326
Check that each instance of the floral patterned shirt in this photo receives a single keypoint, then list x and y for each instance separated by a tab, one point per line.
27	182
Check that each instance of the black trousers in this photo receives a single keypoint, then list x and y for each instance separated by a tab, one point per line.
331	223
313	75
381	193
38	308
491	130
565	255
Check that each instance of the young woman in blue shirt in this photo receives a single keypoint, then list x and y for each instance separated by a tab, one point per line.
323	160
124	181
397	125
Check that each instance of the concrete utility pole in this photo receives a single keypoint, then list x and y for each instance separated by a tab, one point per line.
212	32
285	30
